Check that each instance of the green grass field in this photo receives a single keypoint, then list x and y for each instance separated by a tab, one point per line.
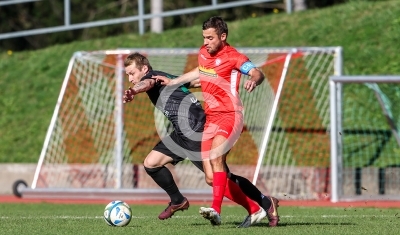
87	219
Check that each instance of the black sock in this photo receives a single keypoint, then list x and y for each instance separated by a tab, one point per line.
266	203
251	191
163	177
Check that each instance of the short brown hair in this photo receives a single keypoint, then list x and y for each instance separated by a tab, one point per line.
218	24
139	60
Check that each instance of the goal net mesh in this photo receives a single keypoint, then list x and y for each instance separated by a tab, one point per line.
369	140
80	146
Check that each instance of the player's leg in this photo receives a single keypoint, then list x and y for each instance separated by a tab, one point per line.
154	165
216	164
216	174
194	155
209	213
236	194
232	190
219	172
208	173
264	201
250	190
192	150
268	203
214	167
228	133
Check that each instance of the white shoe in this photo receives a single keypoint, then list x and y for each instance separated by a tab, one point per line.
210	214
253	218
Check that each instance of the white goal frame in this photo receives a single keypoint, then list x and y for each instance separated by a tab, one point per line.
336	101
195	194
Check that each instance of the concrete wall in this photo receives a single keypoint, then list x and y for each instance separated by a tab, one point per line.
9	173
294	182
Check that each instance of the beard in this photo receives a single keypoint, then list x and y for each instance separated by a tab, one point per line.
216	49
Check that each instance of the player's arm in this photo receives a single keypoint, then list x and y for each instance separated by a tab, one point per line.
195	83
256	76
184	78
140	87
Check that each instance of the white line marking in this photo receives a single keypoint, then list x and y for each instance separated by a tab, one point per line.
68	217
193	216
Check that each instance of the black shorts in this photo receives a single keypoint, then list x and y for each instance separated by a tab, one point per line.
179	148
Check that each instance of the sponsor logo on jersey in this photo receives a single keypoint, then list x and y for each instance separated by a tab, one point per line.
217	62
208	72
193	99
166	113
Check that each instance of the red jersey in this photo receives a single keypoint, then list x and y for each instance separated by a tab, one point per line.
220	77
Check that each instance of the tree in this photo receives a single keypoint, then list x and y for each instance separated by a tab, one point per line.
42	14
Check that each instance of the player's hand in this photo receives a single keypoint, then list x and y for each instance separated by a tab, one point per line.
250	85
129	95
163	80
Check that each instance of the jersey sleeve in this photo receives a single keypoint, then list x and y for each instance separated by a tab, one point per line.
187	85
241	62
155	73
146	77
149	75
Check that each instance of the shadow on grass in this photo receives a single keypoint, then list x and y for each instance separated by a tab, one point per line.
303	223
235	224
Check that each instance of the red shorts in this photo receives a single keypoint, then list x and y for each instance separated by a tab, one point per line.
229	125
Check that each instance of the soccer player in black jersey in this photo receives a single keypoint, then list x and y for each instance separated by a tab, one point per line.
187	117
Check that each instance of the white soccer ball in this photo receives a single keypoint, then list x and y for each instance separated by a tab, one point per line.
117	213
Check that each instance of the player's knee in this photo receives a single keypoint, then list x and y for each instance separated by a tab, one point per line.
214	158
152	170
150	162
209	181
217	163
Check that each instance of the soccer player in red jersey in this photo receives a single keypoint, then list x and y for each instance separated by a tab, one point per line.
187	119
219	68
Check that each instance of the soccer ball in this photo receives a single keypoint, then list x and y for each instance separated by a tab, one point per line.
117	213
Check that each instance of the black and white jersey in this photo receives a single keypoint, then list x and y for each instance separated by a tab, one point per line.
178	104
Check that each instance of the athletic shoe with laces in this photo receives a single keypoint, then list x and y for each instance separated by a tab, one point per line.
253	218
171	209
210	214
272	212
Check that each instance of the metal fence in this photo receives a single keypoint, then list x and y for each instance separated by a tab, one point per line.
141	17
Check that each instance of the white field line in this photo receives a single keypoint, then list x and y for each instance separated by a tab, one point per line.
195	216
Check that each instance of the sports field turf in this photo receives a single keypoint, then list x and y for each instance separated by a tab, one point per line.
76	219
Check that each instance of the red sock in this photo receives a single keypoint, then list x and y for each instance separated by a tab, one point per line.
219	184
234	193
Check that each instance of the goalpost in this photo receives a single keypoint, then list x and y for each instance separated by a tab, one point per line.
95	145
365	118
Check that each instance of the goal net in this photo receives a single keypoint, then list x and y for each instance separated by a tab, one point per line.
95	143
365	137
